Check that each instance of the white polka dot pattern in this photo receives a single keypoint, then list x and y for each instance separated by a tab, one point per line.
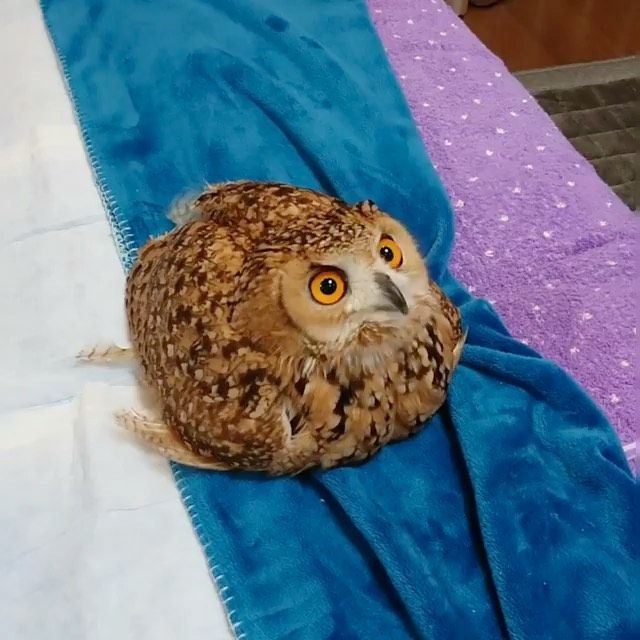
538	234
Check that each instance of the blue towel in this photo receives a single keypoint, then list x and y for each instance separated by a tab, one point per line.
513	514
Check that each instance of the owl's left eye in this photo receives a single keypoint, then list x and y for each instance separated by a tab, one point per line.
390	252
328	286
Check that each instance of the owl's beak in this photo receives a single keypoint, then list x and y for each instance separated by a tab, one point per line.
391	293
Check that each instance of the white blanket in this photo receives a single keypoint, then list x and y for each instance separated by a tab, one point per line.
94	542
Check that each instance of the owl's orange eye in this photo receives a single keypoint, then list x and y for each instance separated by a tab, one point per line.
328	286
390	252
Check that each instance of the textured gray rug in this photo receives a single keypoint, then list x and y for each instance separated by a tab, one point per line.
597	107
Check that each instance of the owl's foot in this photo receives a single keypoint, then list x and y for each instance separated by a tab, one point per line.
104	354
161	438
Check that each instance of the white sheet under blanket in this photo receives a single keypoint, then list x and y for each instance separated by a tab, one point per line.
94	542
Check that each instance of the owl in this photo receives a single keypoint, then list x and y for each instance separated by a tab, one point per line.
281	329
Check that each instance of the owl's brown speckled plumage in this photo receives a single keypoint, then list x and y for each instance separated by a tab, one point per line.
250	371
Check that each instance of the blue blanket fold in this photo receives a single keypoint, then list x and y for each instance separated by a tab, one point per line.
513	514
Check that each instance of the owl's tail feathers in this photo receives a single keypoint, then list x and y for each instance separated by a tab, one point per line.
106	354
162	439
184	210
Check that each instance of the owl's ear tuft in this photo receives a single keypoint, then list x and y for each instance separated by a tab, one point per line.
368	208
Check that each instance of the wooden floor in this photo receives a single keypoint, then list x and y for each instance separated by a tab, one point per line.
530	34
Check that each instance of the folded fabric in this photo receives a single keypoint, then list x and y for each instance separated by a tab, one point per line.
511	514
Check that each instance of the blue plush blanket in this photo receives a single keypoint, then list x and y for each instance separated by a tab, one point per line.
513	514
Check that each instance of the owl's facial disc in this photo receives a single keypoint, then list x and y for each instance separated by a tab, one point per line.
331	303
329	285
376	281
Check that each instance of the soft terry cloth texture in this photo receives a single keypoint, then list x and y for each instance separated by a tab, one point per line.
540	234
511	514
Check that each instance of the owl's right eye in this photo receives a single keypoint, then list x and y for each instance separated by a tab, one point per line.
328	286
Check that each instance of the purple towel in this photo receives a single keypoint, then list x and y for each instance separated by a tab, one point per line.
538	233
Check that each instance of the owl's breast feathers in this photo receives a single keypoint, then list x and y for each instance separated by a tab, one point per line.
355	408
230	401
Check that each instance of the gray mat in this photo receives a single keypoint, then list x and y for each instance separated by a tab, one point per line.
597	107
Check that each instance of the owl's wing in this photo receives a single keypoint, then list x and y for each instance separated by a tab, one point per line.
451	313
219	391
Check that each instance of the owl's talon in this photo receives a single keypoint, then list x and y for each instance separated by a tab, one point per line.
104	354
161	438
